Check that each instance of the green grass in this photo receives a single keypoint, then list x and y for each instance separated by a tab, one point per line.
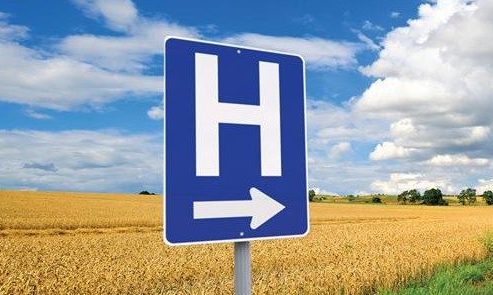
465	279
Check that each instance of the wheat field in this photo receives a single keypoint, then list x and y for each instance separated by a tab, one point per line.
72	243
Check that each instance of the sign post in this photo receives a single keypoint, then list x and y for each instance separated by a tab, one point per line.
235	147
242	269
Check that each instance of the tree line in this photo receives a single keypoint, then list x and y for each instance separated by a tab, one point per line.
433	197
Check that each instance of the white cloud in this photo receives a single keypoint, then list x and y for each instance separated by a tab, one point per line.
484	185
318	53
328	123
435	90
119	15
395	14
319	191
331	131
339	149
343	176
389	150
457	160
80	160
369	42
399	182
142	37
61	83
36	115
11	32
132	52
403	128
39	79
156	113
369	26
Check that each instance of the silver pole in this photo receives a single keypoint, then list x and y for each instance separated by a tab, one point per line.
243	282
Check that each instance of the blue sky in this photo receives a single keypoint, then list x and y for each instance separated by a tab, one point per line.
390	89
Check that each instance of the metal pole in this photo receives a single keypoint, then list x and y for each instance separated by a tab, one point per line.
243	282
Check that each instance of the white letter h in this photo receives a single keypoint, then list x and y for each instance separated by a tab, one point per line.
209	112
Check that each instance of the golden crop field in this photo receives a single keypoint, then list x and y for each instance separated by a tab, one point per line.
67	243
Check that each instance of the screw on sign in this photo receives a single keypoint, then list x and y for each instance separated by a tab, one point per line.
235	147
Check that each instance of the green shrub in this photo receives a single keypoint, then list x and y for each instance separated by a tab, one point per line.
434	197
467	196
411	196
311	195
376	200
488	197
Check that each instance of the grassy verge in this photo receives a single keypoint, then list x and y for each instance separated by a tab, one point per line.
465	279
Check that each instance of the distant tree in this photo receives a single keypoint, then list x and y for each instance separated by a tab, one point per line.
488	197
414	196
411	196
402	197
467	196
376	200
146	193
311	195
433	196
351	197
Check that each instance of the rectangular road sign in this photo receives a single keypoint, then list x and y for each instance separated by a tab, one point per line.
235	143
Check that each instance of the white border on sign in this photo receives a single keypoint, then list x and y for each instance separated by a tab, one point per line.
166	39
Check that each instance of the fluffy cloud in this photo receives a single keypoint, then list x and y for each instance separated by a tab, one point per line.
328	123
432	99
36	78
119	15
484	185
37	115
339	149
456	160
389	150
156	113
80	160
370	44
141	38
434	82
85	70
395	14
399	182
9	31
331	132
369	26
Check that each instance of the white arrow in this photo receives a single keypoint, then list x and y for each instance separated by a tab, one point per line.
261	208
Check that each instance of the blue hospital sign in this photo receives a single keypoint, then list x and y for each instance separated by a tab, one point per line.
235	144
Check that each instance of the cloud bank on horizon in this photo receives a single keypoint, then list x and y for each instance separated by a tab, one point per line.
422	119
